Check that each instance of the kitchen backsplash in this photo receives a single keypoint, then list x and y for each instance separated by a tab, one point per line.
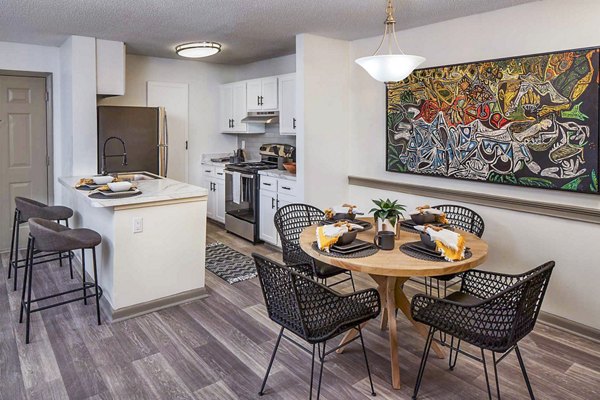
253	142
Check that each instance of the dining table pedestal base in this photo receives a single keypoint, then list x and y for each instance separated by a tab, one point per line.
391	290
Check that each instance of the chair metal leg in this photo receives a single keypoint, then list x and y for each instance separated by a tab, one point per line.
16	264
12	243
352	281
70	253
96	286
496	374
29	284
60	263
487	380
322	360
83	276
312	372
29	250
362	342
423	361
451	360
262	388
522	364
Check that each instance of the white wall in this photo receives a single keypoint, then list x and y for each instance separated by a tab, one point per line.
31	58
260	69
322	102
203	80
518	241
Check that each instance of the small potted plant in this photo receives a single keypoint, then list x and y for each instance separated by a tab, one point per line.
387	214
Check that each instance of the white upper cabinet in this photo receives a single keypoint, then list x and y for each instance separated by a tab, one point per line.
233	110
262	94
287	104
110	68
239	106
226	115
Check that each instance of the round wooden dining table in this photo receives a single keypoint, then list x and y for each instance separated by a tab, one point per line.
390	269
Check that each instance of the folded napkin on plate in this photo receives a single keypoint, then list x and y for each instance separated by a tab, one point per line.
345	209
328	235
440	216
449	244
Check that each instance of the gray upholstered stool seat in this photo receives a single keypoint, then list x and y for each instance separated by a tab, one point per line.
34	209
50	236
24	210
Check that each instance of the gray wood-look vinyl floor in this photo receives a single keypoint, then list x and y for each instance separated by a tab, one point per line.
219	348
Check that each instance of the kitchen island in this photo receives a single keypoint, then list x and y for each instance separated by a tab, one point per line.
153	245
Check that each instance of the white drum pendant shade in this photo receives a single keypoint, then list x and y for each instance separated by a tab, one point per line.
390	67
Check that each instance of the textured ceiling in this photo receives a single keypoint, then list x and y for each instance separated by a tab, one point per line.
248	29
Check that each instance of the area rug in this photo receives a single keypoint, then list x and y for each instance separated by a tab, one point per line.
228	264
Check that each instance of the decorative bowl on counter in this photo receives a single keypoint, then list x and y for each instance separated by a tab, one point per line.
290	167
119	186
102	180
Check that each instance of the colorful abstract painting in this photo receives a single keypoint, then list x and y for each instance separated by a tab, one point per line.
528	121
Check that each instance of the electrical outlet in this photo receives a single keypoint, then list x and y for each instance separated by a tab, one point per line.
138	225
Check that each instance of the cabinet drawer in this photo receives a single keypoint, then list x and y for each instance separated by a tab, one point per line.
219	172
268	183
285	186
208	171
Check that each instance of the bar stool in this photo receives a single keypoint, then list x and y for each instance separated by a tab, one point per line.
50	236
28	208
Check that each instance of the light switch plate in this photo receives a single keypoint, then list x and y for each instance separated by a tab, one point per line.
138	225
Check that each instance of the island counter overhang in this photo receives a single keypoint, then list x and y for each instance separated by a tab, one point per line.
161	266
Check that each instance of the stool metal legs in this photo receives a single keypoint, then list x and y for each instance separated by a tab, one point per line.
26	300
12	242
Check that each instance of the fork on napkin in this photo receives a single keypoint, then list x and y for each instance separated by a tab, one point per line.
449	244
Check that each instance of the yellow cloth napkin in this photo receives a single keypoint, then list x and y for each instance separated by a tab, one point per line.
328	235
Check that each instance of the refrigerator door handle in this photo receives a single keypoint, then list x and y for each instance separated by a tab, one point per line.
164	144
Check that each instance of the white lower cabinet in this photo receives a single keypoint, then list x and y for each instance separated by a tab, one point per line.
268	207
270	202
214	181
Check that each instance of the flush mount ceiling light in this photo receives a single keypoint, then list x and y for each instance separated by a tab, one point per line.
198	49
390	67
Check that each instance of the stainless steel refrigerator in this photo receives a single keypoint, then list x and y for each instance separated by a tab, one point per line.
144	133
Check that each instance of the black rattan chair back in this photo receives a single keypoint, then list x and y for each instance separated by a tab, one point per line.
289	221
463	218
279	293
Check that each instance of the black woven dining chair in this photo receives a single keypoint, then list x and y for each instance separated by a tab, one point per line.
290	221
492	311
459	217
312	312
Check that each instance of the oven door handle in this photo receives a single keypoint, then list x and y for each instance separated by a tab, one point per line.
242	175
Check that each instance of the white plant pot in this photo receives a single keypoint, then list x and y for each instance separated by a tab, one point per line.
385	225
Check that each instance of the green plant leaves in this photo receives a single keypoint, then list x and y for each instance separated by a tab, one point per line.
388	209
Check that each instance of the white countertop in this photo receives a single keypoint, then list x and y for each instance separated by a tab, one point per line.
277	173
152	191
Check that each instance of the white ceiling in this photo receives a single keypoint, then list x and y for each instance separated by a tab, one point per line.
248	29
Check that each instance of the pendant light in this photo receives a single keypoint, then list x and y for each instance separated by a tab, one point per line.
390	67
198	49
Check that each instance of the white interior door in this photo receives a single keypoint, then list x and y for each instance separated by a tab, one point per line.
23	147
174	98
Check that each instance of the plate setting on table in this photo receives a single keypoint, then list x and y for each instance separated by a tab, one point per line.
115	190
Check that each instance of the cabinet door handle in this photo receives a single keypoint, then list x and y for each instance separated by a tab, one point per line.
258	100
272	203
219	173
261	101
285	187
266	184
294	123
207	170
233	123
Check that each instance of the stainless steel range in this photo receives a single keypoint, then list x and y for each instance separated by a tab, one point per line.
242	196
